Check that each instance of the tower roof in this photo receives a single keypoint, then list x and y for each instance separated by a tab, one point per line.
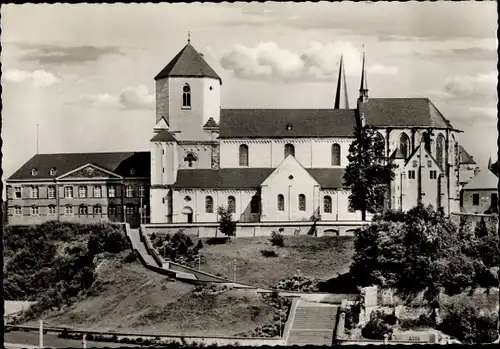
341	99
188	63
364	84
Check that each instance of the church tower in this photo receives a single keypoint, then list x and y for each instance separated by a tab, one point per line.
363	96
341	99
188	95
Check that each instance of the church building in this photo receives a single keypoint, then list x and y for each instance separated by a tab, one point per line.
279	165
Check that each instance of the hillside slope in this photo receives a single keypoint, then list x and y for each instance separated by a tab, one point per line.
128	297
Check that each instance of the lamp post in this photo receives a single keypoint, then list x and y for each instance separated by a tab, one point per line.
234	271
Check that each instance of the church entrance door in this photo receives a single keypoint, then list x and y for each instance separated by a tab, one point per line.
188	214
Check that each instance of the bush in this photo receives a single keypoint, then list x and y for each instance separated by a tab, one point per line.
277	239
217	241
377	327
268	253
153	237
130	257
423	321
199	245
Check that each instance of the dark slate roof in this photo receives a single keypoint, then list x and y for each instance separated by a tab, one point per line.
211	123
164	136
465	158
188	63
404	112
119	163
272	123
397	154
248	178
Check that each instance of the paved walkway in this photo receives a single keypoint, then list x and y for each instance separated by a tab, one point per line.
137	244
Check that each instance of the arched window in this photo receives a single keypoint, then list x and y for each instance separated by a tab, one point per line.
327	204
404	144
281	202
97	209
243	155
190	158
426	139
82	210
302	202
209	204
440	150
255	204
335	155
231	204
186	96
289	150
111	210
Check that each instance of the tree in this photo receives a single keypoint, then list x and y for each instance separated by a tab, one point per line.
226	224
277	239
368	173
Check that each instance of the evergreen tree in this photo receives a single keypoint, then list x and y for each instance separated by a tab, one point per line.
368	173
226	224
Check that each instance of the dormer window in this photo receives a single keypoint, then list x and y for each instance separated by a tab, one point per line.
34	172
53	171
132	171
288	127
186	96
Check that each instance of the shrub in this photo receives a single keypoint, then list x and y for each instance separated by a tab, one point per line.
153	237
167	238
377	327
158	243
277	239
189	242
268	253
130	257
217	241
199	245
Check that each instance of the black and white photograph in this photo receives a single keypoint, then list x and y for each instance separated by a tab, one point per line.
249	174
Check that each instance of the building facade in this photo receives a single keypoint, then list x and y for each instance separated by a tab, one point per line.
85	188
269	165
264	165
480	195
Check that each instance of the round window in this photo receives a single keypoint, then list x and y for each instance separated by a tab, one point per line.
186	89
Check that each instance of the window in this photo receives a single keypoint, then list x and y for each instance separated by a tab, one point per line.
190	158
130	209
327	204
475	199
440	150
414	163
429	163
52	210
243	155
82	210
34	192
129	191
302	202
82	191
17	210
231	204
426	139
281	202
404	144
494	200
34	172
209	204
411	174
51	192
186	96
97	191
255	204
97	209
68	210
52	171
111	191
433	174
289	150
142	190
68	192
111	210
336	155
132	171
17	192
34	210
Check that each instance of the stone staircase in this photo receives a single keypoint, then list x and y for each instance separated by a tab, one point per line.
313	324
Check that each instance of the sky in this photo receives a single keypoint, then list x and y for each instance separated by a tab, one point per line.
84	73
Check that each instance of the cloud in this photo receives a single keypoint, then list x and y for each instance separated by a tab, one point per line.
131	98
481	88
317	62
461	54
51	54
38	78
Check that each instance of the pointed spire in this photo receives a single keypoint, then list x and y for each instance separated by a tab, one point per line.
363	88
189	37
489	163
341	99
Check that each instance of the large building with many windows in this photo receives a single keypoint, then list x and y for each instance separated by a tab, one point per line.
265	165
